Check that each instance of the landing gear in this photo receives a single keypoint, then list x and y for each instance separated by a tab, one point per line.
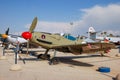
52	60
102	54
44	56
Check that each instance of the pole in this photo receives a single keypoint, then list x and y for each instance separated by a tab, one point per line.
16	57
16	52
3	50
27	45
119	48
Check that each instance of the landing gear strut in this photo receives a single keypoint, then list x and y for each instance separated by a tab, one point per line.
102	54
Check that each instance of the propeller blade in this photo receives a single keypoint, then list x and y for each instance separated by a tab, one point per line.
33	25
7	31
0	35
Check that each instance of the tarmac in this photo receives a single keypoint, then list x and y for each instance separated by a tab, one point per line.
70	67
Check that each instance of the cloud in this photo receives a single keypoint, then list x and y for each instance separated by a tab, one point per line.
102	18
54	27
106	18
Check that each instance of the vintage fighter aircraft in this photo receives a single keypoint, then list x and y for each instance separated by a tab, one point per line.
8	39
62	43
13	38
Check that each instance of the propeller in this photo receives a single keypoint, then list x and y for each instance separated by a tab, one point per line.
4	36
28	34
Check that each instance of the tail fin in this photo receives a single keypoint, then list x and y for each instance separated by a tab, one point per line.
91	30
92	33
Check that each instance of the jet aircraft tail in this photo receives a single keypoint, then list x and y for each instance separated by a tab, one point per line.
92	33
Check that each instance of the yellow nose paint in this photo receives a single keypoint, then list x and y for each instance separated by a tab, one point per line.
4	36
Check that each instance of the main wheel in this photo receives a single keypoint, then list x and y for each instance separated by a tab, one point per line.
54	61
43	56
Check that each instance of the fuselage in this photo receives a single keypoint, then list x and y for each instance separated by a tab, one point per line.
111	39
16	39
49	40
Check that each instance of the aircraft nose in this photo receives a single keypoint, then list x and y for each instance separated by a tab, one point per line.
26	35
4	36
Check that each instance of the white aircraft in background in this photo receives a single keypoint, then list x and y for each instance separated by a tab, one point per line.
92	35
12	39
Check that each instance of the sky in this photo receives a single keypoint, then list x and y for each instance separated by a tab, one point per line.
60	16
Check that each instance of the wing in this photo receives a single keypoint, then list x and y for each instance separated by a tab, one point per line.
80	45
84	48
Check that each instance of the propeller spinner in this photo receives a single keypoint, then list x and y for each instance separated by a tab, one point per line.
4	36
26	35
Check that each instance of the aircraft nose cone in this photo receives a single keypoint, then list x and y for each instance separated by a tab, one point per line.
4	36
26	35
